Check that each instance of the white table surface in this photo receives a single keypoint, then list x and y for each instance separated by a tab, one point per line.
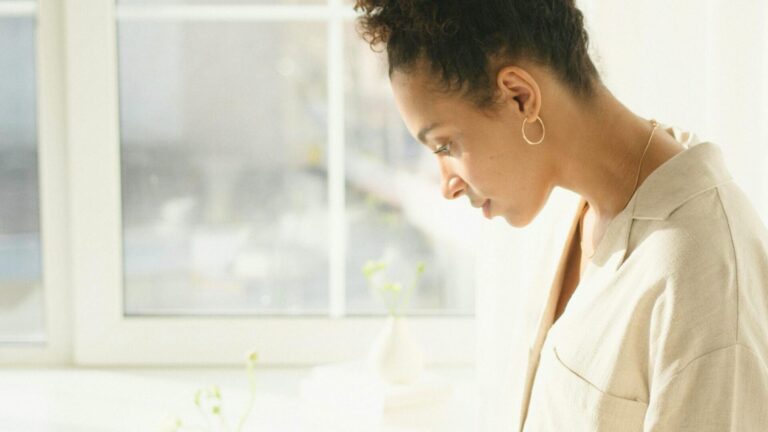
142	399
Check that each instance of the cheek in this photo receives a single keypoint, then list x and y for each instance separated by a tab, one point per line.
486	177
494	173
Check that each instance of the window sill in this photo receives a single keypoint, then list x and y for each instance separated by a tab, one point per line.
128	399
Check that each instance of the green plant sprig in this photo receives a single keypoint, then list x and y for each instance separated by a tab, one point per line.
393	295
209	404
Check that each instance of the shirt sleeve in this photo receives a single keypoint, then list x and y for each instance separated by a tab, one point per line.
723	390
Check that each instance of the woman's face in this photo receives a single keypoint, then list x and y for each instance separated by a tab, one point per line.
480	155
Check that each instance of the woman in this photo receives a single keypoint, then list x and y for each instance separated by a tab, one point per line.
659	320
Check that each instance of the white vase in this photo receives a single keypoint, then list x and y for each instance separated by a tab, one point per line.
395	356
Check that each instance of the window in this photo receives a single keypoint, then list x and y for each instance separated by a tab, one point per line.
239	165
225	173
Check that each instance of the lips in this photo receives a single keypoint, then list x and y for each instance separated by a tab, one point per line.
487	209
485	205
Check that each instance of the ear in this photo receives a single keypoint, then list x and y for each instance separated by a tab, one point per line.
518	86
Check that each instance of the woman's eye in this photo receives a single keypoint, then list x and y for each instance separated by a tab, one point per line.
443	148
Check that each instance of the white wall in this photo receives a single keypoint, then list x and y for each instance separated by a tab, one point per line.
697	65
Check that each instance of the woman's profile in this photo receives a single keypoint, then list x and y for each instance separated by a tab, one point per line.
657	317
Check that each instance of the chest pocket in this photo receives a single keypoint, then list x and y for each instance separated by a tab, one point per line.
561	400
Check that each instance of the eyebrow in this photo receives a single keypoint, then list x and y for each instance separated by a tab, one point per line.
422	133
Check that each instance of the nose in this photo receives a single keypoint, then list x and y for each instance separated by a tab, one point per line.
453	187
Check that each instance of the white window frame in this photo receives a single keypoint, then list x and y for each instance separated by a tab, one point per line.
103	335
49	48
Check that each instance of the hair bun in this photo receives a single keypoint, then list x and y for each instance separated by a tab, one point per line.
417	19
466	41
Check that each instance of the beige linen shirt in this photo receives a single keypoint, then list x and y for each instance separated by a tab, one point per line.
668	327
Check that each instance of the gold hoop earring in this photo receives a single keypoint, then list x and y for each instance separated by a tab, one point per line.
543	131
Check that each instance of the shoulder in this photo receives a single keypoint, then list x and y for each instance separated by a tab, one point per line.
714	227
695	239
714	286
695	309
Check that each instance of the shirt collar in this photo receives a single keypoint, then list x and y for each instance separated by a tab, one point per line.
698	168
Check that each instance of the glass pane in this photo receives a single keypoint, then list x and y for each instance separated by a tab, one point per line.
21	292
223	165
390	178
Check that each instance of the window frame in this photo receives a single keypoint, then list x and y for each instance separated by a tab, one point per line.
103	335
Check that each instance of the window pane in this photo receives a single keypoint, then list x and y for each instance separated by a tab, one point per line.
223	165
21	293
391	180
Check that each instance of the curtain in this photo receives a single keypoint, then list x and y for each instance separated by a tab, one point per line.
701	66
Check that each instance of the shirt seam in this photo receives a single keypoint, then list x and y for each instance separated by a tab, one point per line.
706	354
734	259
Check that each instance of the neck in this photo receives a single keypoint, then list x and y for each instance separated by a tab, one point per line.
600	152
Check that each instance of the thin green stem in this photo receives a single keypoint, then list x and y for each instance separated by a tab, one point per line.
252	387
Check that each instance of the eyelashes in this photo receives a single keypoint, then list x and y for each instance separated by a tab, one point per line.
445	148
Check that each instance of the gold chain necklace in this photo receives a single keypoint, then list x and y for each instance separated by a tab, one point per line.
655	124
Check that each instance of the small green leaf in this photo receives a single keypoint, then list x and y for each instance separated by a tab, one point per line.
372	267
392	287
420	267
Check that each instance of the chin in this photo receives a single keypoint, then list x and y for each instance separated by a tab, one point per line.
521	219
516	223
517	220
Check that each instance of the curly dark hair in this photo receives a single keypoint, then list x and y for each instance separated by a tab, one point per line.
465	40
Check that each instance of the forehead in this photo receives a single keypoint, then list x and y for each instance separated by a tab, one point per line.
422	105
